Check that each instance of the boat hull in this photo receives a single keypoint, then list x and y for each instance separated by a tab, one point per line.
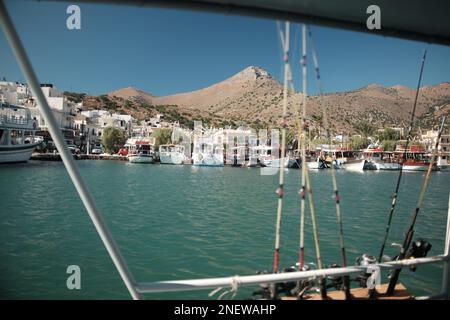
203	160
275	163
417	168
11	154
355	166
444	167
140	159
319	165
388	166
171	159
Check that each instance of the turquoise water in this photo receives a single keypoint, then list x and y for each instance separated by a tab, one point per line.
178	222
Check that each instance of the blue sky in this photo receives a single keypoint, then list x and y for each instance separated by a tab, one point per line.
168	51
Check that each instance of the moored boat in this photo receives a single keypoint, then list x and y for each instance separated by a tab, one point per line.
171	154
140	150
416	159
208	154
443	162
374	158
378	159
17	134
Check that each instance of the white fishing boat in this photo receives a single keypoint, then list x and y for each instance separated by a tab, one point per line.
267	158
374	159
378	159
171	154
355	166
208	154
323	164
443	162
235	156
140	150
416	159
252	160
273	162
17	134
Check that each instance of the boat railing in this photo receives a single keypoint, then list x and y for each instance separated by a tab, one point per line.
4	119
136	289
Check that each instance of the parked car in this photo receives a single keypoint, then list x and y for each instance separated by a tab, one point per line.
97	151
122	152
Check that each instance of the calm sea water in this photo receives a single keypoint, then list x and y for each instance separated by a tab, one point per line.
182	222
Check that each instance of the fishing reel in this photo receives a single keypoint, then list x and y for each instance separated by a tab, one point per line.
296	288
269	291
419	249
264	289
365	260
336	282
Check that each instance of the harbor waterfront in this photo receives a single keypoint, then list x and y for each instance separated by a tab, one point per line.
187	222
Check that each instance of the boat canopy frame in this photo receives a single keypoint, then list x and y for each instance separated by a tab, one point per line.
407	19
137	289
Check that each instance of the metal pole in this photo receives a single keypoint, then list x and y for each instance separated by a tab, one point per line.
446	270
66	156
211	283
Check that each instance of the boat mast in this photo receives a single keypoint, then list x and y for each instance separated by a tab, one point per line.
395	196
280	190
409	234
333	173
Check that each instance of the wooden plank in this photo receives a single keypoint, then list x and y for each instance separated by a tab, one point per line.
400	293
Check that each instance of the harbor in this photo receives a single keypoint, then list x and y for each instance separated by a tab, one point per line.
254	187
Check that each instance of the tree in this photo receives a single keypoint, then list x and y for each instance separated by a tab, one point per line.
358	143
162	136
389	134
389	145
113	139
365	128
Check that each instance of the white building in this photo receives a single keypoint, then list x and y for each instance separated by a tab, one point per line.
429	139
14	92
20	94
103	119
63	111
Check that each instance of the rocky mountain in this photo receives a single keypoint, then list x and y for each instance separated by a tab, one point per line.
254	97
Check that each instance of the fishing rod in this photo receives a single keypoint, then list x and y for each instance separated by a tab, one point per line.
305	177
280	190
322	281
397	187
302	143
409	234
346	278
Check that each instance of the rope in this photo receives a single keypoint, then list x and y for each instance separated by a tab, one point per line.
234	287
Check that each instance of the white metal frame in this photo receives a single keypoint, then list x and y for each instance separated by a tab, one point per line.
135	289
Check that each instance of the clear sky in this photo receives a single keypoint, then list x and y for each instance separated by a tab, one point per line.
168	51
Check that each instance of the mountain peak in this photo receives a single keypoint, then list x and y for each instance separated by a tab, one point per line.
129	92
253	73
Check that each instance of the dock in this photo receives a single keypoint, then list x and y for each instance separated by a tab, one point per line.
57	157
